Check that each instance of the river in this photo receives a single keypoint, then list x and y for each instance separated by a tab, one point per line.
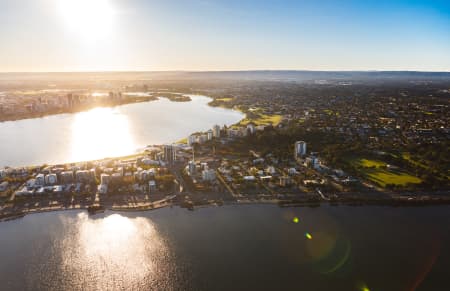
106	132
244	247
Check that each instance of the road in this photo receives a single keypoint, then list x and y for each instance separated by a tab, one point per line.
232	192
321	194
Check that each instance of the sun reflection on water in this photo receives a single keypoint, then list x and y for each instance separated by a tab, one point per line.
100	133
114	253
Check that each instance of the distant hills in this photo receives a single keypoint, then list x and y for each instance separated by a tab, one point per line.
282	75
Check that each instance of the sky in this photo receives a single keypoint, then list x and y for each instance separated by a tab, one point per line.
199	35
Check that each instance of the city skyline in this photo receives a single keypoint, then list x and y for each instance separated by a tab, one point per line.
115	35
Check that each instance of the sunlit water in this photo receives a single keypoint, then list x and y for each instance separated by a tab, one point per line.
106	132
254	247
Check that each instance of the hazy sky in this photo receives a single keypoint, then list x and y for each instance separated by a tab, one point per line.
67	35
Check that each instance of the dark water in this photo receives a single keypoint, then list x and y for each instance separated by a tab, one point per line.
252	247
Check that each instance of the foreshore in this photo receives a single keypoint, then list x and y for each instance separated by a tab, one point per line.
174	200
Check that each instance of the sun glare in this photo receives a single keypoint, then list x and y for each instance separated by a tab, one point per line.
101	132
91	19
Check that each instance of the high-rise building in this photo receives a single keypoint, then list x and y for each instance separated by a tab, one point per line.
170	154
251	128
209	134
216	131
70	100
300	149
191	168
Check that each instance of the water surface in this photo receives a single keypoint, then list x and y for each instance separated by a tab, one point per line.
106	132
253	247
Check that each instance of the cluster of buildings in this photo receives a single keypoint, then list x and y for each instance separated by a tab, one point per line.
201	138
58	180
221	132
109	176
17	105
201	171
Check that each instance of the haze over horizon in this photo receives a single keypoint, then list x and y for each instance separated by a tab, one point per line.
137	35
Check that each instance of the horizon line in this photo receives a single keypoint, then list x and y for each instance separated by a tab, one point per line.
223	71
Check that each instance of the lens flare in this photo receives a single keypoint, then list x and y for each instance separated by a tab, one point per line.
341	262
362	287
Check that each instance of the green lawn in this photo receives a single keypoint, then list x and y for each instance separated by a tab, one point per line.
371	163
273	119
384	177
407	156
224	99
183	140
378	172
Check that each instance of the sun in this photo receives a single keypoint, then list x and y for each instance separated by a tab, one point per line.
91	19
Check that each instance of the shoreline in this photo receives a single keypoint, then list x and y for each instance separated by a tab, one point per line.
77	110
132	100
168	202
139	151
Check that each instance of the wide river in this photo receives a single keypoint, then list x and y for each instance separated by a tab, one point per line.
106	132
246	247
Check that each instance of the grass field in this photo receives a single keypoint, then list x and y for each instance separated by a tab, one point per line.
224	99
407	156
183	140
378	172
273	119
371	163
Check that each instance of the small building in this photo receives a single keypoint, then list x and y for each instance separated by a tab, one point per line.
84	176
66	177
128	177
116	177
40	180
58	189
105	179
191	139
260	127
102	189
31	183
270	170
24	191
4	186
51	179
285	181
152	185
202	138
209	175
148	162
292	171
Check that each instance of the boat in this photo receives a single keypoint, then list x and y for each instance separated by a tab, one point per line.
95	209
